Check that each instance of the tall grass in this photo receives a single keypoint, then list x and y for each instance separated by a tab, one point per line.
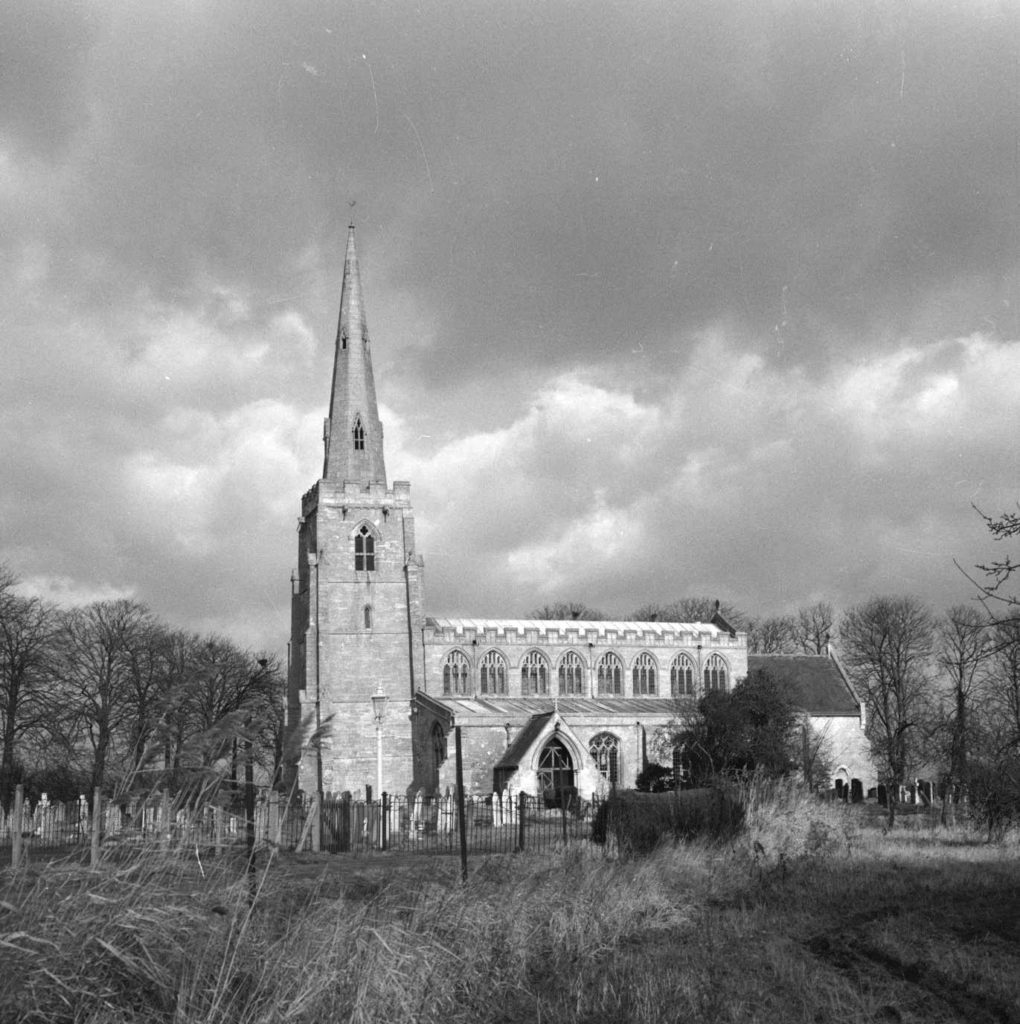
765	926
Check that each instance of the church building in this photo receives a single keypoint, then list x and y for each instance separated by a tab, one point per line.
542	705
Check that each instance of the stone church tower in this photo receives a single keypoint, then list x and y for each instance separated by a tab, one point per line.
357	595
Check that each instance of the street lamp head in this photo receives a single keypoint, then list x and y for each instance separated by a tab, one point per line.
379	701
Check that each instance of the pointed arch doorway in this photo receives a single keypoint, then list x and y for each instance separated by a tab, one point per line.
555	773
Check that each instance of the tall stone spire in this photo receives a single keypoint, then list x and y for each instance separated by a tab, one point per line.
353	434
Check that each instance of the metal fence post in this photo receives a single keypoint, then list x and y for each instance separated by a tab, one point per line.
461	817
382	826
522	803
17	824
97	824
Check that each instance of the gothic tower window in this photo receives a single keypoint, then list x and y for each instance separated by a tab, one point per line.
534	674
610	675
571	673
455	673
493	674
368	616
364	550
605	752
359	436
644	676
681	676
715	674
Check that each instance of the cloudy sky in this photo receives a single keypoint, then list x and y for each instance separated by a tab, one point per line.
666	298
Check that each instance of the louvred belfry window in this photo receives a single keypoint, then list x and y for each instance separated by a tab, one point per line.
364	550
359	436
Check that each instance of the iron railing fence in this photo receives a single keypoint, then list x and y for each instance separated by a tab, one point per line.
493	823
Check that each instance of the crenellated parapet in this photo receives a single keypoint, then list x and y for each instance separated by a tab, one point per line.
350	494
568	633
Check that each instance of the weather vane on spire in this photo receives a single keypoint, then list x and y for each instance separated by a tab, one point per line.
352	203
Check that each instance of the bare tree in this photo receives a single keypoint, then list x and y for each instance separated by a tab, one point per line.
689	609
97	647
1003	683
814	627
562	610
771	636
27	627
887	645
963	648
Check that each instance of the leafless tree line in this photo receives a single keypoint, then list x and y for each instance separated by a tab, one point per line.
107	696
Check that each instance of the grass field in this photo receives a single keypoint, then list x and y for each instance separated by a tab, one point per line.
813	915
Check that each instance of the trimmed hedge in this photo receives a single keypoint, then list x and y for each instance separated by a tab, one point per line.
640	821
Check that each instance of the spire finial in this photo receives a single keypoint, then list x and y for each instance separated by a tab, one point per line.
352	203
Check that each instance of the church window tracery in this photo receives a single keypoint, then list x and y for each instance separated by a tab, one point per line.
681	676
610	675
605	752
715	674
644	676
364	550
455	673
534	674
571	674
493	674
359	436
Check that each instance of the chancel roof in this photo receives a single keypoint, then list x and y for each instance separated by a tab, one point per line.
814	683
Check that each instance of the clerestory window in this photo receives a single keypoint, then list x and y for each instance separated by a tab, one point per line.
610	675
364	550
571	673
644	676
715	674
681	676
492	676
534	674
455	673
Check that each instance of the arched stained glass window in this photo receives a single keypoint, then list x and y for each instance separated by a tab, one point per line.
534	674
605	752
681	676
493	674
610	675
644	676
364	550
571	674
455	673
715	674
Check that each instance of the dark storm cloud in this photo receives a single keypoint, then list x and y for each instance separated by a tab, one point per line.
635	276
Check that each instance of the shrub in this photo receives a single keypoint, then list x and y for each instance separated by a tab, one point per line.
655	778
640	821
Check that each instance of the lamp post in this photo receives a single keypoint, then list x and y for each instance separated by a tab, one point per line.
379	701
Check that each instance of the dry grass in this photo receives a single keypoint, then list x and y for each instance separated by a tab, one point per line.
809	915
